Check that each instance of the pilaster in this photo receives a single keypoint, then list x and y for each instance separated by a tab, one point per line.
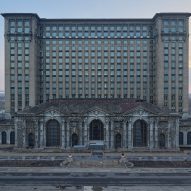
42	134
63	134
36	133
151	135
112	135
130	140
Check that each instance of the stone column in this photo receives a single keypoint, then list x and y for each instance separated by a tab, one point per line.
107	135
112	135
41	134
124	135
168	135
177	134
86	133
68	134
156	135
130	135
24	133
151	135
8	137
16	129
36	133
19	133
44	135
63	135
65	132
109	131
184	137
82	133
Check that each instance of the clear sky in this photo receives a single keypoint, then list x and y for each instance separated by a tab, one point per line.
88	9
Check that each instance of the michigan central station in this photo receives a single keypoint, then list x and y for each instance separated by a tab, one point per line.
120	83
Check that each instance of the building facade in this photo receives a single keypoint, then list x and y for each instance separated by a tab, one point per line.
96	58
122	82
127	124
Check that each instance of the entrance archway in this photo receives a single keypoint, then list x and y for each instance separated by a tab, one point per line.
31	140
189	138
162	140
96	130
52	133
181	138
4	137
12	137
74	139
118	140
140	133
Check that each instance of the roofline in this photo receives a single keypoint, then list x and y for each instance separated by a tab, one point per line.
98	20
20	14
187	14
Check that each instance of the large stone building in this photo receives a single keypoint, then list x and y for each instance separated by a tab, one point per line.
98	61
119	123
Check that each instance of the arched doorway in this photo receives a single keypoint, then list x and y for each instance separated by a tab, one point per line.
31	140
189	138
4	137
118	140
140	133
181	138
96	130
74	139
52	133
12	137
162	140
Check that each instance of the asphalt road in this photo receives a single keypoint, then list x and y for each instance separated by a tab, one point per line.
107	179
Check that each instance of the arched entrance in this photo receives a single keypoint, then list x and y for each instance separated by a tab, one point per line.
96	130
140	133
74	139
52	133
181	138
31	140
189	138
162	140
118	140
4	137
12	137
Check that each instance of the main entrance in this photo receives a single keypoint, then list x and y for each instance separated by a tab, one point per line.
118	140
52	133
140	133
96	130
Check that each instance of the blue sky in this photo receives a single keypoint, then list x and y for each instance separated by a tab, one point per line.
88	9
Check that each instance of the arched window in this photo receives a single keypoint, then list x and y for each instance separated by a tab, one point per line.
181	138
74	139
31	140
96	130
52	133
162	140
4	137
140	133
12	138
118	140
189	138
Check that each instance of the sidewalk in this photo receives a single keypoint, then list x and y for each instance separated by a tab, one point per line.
132	156
92	170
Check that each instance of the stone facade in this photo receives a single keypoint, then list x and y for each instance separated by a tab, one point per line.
118	129
185	133
7	132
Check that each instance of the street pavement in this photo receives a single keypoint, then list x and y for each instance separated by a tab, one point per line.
90	188
132	156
